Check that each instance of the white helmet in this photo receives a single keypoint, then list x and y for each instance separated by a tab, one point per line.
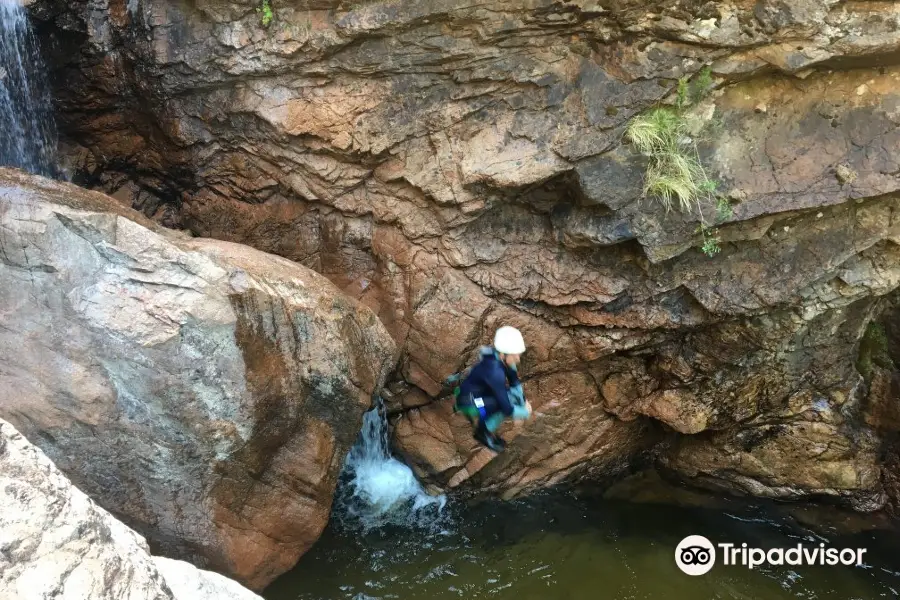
508	340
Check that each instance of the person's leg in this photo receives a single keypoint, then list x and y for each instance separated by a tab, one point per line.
465	405
470	413
490	421
493	421
486	438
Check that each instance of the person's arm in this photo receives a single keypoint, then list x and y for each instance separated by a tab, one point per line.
512	374
521	407
516	393
496	381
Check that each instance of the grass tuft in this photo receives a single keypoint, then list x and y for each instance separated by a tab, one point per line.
675	176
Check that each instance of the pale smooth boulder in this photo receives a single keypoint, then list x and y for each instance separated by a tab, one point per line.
56	543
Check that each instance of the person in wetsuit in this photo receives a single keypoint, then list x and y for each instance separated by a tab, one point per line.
483	396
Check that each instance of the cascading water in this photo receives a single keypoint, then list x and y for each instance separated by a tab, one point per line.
377	489
27	132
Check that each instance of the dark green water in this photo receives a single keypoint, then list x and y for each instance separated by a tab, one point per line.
560	546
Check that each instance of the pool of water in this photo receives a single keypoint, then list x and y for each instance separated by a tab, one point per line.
561	546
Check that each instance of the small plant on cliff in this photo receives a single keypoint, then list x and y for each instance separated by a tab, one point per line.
266	16
675	174
702	84
694	90
711	241
724	211
710	235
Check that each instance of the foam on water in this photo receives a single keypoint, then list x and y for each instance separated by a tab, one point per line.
377	489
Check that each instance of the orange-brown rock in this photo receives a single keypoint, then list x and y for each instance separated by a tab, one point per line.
204	391
784	460
570	433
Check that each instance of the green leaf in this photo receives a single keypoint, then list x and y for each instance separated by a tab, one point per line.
266	14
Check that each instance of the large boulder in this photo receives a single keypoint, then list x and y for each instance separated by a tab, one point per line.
55	542
203	391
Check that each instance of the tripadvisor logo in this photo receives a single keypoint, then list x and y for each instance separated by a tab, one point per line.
696	555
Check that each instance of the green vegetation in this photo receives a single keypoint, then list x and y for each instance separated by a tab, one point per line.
266	14
873	351
675	175
711	241
723	210
711	237
702	85
696	90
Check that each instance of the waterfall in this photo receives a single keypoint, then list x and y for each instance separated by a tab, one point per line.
377	489
27	132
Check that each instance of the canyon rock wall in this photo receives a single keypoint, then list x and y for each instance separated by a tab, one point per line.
456	166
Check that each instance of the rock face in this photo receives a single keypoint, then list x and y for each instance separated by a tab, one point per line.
879	362
457	166
56	543
188	582
205	392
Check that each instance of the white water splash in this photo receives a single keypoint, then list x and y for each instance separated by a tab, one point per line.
27	131
378	489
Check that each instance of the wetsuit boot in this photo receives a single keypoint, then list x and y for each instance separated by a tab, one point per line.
486	438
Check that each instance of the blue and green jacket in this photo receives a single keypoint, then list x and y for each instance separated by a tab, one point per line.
488	380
